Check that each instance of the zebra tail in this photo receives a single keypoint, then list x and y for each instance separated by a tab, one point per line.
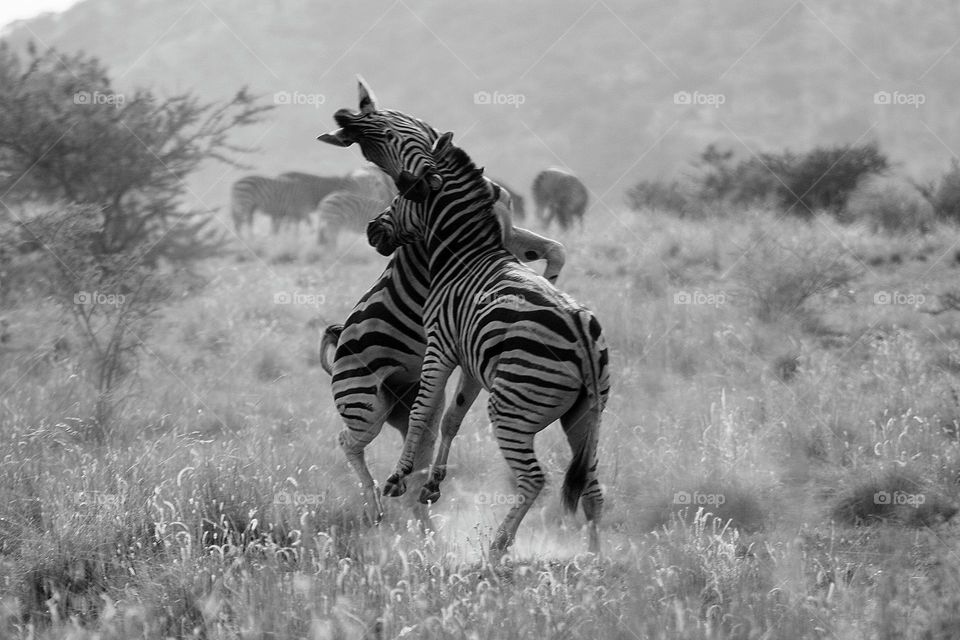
328	346
575	480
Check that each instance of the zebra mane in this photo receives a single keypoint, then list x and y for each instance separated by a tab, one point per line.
453	159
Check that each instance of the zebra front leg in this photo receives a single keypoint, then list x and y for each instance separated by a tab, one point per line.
467	393
433	377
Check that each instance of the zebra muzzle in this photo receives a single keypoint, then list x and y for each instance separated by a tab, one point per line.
379	238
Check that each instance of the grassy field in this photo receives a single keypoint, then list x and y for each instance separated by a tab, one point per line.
784	376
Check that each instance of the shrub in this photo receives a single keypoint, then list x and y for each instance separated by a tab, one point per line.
779	276
889	205
825	177
944	197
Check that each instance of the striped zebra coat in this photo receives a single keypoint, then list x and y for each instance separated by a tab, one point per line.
541	355
375	357
365	193
559	195
288	199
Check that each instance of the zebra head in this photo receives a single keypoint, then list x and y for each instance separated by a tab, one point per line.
397	143
466	193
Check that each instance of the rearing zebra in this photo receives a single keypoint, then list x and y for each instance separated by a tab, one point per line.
288	199
559	195
541	355
378	352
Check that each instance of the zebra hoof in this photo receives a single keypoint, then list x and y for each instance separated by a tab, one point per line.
429	494
395	487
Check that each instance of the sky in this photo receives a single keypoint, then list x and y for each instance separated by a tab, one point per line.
11	10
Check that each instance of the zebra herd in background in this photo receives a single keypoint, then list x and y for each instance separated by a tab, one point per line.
540	354
347	203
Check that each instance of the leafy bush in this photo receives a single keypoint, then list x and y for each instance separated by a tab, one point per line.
945	196
890	206
825	177
66	135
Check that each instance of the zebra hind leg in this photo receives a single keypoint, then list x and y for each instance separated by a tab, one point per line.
515	439
467	392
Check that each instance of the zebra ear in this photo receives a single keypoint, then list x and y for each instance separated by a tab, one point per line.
368	102
337	138
442	144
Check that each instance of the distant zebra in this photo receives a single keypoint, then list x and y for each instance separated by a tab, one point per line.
288	199
560	196
374	358
541	355
365	193
516	201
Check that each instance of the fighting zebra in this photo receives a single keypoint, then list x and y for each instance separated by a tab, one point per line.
374	358
288	199
366	193
516	201
559	195
539	353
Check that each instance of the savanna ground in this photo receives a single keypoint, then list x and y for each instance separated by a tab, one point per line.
781	374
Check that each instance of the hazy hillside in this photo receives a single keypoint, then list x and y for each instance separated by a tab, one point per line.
597	80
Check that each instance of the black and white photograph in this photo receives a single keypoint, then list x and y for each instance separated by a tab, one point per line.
488	320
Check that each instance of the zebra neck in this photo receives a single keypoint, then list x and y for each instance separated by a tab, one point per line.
465	246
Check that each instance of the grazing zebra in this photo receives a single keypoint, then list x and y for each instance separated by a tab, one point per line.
541	355
288	199
374	358
560	196
366	193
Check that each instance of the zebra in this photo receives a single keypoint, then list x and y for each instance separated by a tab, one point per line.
288	199
366	193
559	195
516	201
374	357
541	355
